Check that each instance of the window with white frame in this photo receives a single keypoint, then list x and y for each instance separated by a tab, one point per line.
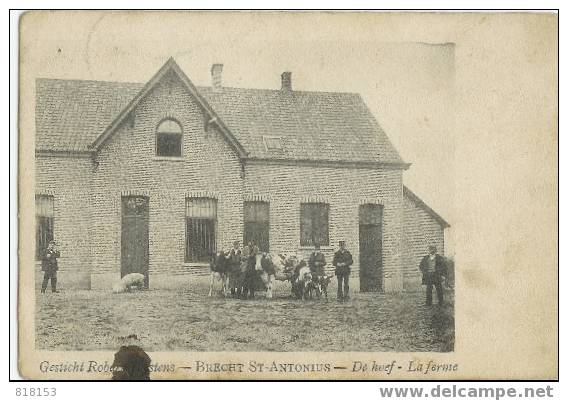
201	227
169	139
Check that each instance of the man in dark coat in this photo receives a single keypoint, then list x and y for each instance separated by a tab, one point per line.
433	268
49	267
235	276
249	254
342	260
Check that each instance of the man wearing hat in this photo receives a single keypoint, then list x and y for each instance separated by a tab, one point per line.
433	268
235	279
342	260
250	275
49	267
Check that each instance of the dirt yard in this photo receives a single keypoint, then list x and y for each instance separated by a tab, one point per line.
182	320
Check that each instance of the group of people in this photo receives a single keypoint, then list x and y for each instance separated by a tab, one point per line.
342	262
432	266
247	257
249	278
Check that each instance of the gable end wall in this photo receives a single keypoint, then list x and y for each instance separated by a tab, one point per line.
420	231
344	189
68	180
127	165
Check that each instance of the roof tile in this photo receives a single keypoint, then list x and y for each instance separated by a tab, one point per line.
331	126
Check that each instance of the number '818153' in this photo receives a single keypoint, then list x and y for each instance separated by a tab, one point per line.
36	392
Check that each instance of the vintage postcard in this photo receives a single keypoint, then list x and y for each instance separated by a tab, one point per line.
288	195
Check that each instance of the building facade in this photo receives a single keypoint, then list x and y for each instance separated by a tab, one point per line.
422	227
155	177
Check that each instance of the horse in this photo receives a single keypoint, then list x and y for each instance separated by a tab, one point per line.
219	268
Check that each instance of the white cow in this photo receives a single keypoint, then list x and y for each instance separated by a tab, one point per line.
272	268
302	283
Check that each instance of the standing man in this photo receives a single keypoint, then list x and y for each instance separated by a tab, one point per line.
342	260
235	279
433	268
250	274
49	267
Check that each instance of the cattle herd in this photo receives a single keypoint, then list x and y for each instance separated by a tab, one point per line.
260	272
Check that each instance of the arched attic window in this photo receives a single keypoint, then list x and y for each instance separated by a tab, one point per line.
168	139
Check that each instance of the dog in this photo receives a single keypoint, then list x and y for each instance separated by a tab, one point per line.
318	285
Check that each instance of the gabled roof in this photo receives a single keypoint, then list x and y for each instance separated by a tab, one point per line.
170	66
421	204
74	115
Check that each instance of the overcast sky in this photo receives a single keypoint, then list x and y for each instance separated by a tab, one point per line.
408	86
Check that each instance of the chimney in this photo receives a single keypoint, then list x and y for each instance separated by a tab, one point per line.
286	81
216	70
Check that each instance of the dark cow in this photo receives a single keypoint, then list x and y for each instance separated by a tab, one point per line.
237	275
260	272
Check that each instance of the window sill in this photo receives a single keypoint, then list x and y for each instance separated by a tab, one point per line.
196	264
312	248
169	158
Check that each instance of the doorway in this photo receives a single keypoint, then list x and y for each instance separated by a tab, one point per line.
370	248
134	238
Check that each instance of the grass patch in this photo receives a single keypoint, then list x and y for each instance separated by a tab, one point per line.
181	320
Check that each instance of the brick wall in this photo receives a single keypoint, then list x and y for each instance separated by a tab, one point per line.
68	180
420	230
344	189
127	165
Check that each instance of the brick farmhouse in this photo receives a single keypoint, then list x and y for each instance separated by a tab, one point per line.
155	177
